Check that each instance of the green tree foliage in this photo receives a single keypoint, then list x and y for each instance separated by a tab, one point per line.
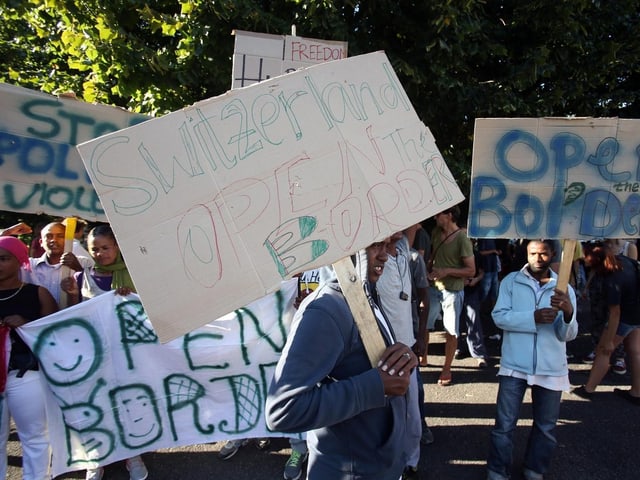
457	59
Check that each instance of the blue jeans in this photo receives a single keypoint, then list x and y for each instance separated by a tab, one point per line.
471	317
435	307
489	285
542	441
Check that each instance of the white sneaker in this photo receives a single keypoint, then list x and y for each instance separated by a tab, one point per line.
137	469
619	366
94	474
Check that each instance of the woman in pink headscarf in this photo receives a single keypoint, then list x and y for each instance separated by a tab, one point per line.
21	387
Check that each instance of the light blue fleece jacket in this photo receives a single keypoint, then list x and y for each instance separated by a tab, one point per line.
529	347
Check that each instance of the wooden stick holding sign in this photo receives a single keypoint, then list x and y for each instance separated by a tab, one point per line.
351	286
564	272
69	233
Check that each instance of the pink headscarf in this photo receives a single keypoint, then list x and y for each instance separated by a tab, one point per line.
17	248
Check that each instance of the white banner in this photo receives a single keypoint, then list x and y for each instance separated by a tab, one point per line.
215	204
261	56
118	392
565	178
40	168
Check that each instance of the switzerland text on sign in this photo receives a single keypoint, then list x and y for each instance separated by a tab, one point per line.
215	204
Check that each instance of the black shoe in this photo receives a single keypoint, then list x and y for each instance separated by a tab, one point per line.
459	355
626	394
410	473
427	436
582	393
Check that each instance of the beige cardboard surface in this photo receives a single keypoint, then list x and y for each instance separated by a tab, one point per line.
215	204
571	178
40	169
260	56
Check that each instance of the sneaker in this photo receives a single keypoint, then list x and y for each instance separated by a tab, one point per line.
293	467
459	355
410	473
427	436
137	469
495	336
619	366
626	394
582	393
482	363
590	358
230	448
94	474
531	475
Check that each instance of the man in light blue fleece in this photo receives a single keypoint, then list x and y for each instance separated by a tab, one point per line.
355	415
537	319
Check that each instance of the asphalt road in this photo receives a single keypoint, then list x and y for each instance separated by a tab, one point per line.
598	439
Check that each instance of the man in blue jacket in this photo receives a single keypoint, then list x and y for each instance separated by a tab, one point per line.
537	319
355	415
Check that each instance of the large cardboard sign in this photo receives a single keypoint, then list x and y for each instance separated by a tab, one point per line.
260	56
216	204
41	171
117	392
573	178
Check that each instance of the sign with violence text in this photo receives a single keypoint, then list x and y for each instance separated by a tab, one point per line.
117	392
573	178
260	56
217	203
40	166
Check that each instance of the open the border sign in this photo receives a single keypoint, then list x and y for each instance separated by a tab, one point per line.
215	204
555	178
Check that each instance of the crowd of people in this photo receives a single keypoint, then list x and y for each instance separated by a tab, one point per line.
345	417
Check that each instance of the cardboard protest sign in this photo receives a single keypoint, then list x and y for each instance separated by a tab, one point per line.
215	204
260	56
40	168
572	178
117	392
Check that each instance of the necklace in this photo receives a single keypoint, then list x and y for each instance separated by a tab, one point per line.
13	294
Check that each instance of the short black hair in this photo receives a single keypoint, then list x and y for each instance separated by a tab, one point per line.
454	211
103	230
551	244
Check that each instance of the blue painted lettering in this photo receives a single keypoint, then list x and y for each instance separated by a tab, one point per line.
604	157
487	195
528	216
601	214
505	144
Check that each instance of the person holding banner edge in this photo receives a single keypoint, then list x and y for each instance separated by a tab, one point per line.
21	388
108	273
51	268
355	415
